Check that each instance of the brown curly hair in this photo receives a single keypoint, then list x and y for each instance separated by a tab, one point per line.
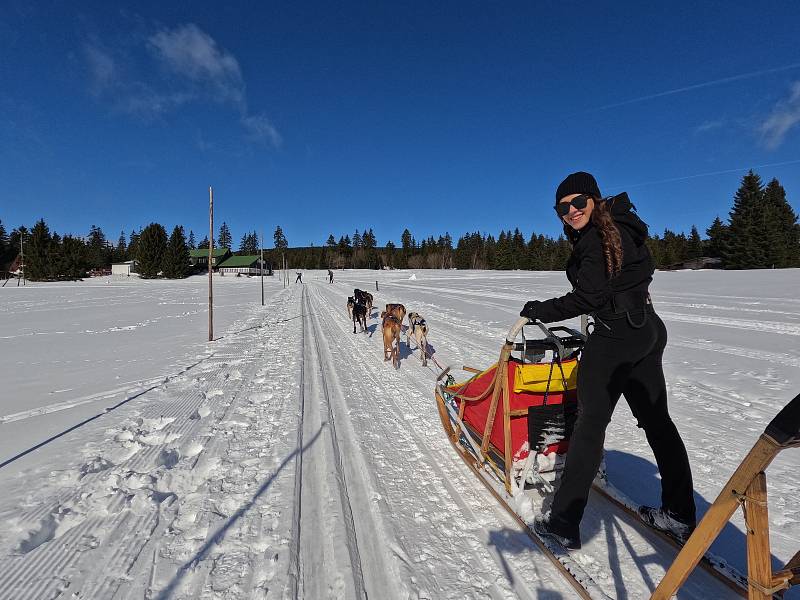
609	236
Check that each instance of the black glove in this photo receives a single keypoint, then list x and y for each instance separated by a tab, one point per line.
530	310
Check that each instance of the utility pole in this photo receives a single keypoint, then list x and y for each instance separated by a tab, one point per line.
262	267
210	260
21	257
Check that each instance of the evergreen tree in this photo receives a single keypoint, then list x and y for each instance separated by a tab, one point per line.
38	265
72	258
151	249
176	257
249	244
331	243
100	255
717	238
695	245
744	249
356	239
280	240
192	243
5	247
203	245
133	245
224	239
782	232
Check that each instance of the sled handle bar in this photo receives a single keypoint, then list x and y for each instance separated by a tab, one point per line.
560	343
785	427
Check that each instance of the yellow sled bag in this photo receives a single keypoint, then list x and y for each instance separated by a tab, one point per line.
533	377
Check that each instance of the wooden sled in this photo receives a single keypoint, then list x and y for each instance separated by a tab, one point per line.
747	487
491	415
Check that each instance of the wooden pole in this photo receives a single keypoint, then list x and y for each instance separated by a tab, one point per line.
756	519
262	267
756	461
210	261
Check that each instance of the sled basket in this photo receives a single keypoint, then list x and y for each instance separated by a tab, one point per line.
521	404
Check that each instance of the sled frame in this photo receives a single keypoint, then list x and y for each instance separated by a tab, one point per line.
747	488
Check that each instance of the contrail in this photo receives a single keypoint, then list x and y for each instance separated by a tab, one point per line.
696	86
709	174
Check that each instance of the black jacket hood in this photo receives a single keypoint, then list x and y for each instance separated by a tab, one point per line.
624	213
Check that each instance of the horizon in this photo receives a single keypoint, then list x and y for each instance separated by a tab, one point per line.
423	117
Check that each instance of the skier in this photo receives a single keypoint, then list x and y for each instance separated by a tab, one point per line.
330	276
299	277
611	268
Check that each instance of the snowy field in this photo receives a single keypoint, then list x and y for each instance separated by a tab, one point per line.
286	459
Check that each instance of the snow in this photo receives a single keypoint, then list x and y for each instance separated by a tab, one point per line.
286	459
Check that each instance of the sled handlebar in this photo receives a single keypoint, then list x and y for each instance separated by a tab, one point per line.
573	339
785	427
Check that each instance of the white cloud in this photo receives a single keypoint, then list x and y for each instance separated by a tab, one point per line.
157	75
101	67
194	55
709	126
259	128
785	117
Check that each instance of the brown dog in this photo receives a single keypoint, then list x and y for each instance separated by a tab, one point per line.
391	338
398	310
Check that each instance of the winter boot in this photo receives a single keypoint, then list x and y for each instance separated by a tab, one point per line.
544	527
666	521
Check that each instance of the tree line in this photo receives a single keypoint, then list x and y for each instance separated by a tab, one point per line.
761	231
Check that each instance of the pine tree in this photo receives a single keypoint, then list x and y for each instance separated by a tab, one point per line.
73	258
100	254
782	232
120	251
331	243
744	249
717	238
249	244
151	249
203	245
192	243
280	240
357	240
5	247
176	257
694	248
133	244
38	265
224	239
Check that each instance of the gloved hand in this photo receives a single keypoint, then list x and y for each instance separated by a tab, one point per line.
530	310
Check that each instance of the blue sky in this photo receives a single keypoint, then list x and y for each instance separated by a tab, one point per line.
451	116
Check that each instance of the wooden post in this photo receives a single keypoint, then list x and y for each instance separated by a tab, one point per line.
759	566
756	461
262	267
376	286
210	263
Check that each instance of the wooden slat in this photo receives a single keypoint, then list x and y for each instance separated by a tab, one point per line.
471	369
756	461
759	567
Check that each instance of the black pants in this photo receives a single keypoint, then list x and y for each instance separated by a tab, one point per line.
625	360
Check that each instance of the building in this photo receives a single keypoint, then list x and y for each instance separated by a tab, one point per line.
704	262
242	265
199	257
124	268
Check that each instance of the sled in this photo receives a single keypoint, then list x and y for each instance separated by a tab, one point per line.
746	487
516	416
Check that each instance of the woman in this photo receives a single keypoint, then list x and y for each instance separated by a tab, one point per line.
610	269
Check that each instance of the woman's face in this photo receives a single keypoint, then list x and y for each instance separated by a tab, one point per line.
577	218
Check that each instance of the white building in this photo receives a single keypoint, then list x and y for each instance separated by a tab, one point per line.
125	268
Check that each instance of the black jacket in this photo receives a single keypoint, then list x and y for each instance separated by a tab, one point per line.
586	269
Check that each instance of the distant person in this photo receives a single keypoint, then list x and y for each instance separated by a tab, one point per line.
611	269
330	276
299	277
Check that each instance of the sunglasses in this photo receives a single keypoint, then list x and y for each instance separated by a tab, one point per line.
579	202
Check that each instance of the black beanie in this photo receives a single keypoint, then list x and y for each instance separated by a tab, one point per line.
578	183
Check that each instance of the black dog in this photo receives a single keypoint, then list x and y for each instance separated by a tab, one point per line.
359	316
364	298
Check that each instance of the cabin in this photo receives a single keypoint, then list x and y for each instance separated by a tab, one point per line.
242	265
199	257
